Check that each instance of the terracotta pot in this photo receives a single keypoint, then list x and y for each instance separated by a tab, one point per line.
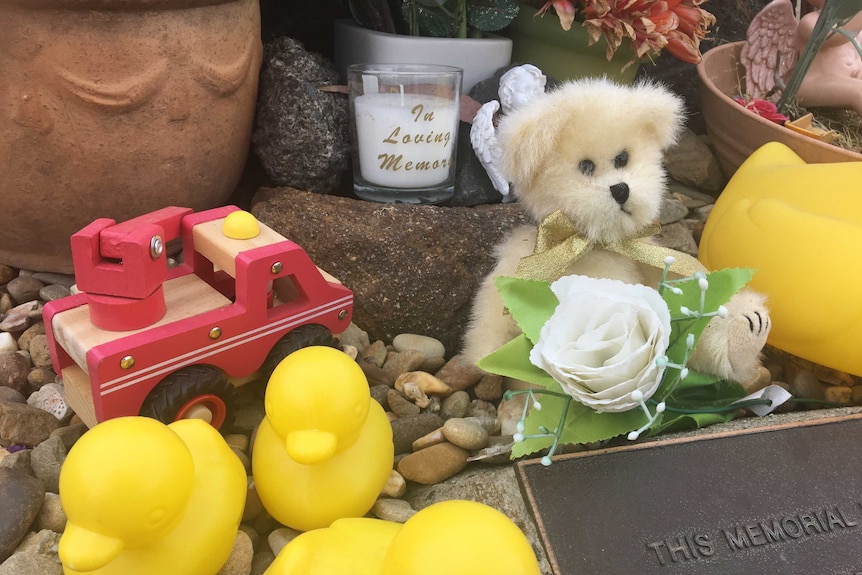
564	54
478	57
735	132
114	108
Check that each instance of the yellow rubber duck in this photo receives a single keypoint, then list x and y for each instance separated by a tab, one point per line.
142	497
446	538
800	226
324	450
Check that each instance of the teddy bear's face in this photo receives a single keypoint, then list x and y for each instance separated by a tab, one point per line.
593	149
610	185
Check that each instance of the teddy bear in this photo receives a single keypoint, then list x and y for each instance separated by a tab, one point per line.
591	151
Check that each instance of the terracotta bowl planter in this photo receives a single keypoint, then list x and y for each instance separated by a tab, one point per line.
736	132
114	108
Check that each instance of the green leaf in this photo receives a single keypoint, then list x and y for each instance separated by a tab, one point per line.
722	285
531	303
491	15
513	360
582	425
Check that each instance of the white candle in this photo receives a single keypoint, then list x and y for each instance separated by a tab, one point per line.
405	140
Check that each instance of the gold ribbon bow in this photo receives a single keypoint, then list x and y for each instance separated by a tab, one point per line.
559	245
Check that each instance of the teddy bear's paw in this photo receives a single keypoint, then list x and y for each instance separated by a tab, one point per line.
730	347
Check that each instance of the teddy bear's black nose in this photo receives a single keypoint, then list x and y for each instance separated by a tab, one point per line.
620	192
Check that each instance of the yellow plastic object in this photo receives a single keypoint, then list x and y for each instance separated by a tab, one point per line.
142	497
324	450
800	226
442	538
240	225
350	546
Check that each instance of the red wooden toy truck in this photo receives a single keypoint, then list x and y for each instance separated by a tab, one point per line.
169	343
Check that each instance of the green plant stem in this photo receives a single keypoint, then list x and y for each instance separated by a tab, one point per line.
462	19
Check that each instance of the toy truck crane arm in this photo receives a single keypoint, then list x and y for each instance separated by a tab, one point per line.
122	267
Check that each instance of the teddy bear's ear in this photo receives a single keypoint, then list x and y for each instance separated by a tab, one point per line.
524	141
657	110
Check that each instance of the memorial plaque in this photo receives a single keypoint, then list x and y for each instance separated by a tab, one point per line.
779	499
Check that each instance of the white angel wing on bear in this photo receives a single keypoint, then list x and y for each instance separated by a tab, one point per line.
518	87
771	48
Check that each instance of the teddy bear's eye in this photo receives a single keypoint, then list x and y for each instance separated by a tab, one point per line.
621	160
586	167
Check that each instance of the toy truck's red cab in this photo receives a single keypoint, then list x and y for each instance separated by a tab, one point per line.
142	338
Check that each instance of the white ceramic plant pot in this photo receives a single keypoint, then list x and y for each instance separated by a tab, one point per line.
478	57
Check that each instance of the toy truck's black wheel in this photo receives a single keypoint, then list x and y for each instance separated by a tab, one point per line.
194	391
303	336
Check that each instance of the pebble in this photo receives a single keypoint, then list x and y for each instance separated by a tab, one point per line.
375	353
429	439
672	210
38	377
22	424
400	405
395	485
427	346
398	362
355	336
425	381
30	564
406	430
479	408
253	505
53	292
27	335
377	375
432	364
17	319
69	434
24	288
6	274
261	562
805	384
465	433
490	387
5	303
280	537
51	397
7	342
241	554
433	464
18	461
9	395
51	516
237	440
378	393
455	405
459	373
42	542
838	394
396	510
46	460
49	278
22	497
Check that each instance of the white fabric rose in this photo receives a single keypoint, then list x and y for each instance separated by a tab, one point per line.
602	341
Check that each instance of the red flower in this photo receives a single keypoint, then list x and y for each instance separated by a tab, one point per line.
764	109
650	25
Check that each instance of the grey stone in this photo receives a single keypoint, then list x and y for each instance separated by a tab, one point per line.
47	460
22	497
455	405
406	430
69	434
672	210
396	510
40	353
51	516
30	564
261	562
427	346
493	486
412	268
9	395
400	405
691	162
301	135
51	278
677	236
53	291
24	289
19	461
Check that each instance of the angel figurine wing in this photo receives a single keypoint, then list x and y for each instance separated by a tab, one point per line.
483	137
771	48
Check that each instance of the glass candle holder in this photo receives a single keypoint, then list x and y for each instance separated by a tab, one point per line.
404	131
